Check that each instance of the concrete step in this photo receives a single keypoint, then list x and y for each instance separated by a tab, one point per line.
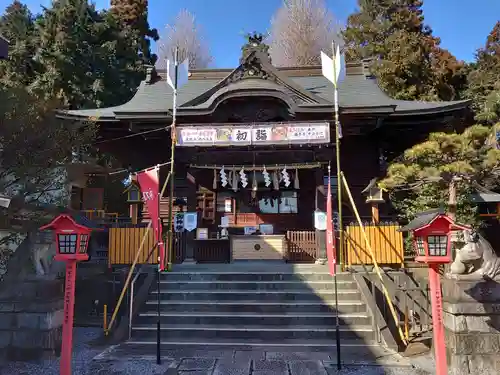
254	276
258	332
260	295
254	306
186	346
246	320
255	285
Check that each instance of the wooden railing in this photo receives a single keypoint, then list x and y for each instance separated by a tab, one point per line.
385	241
124	244
212	251
101	215
302	246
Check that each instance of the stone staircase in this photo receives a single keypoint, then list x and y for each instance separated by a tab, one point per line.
253	307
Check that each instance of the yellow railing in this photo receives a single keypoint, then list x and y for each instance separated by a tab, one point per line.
385	240
124	242
100	214
373	259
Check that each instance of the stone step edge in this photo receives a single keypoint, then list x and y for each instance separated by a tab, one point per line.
199	327
255	303
264	282
225	291
256	315
246	343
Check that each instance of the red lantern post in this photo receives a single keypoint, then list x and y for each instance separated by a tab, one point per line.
432	235
72	240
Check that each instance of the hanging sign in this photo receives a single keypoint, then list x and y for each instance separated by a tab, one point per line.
258	134
224	222
190	221
319	220
179	222
148	181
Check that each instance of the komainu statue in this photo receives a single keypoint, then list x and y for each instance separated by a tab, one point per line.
476	259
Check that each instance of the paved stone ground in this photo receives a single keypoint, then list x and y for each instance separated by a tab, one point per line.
91	361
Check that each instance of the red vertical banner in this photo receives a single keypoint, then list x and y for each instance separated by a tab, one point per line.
330	239
149	182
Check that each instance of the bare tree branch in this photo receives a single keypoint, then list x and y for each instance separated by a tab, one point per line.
184	33
300	30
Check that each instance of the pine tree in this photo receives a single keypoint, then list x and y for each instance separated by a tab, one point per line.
17	25
443	170
484	79
133	14
407	58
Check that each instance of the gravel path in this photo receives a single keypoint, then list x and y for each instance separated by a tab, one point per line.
83	364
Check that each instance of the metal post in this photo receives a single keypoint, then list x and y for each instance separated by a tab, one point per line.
172	157
337	158
158	323
130	312
337	323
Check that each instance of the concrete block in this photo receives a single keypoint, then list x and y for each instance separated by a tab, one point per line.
28	320
468	344
5	339
7	320
193	364
27	339
51	320
235	368
307	368
276	366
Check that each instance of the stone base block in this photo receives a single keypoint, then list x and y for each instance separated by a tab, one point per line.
27	345
474	364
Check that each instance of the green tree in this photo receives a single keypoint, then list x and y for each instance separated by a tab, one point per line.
484	79
407	58
17	24
36	146
90	58
133	14
443	170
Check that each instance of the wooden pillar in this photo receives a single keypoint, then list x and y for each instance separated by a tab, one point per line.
191	207
320	197
375	214
134	212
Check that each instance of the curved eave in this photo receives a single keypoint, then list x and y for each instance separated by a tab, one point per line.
444	107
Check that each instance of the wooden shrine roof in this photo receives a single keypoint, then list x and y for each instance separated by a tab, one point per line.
302	89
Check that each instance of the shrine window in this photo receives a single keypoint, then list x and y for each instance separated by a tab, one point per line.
286	203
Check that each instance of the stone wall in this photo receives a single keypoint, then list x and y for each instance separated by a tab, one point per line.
471	316
31	316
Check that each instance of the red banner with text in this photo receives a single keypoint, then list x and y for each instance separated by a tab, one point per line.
330	238
149	182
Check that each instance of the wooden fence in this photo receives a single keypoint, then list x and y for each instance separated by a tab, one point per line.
124	244
302	246
385	241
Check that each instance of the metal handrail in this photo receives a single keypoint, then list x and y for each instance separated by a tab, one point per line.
129	276
132	287
375	263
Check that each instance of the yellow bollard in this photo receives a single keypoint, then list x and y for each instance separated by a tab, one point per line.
105	320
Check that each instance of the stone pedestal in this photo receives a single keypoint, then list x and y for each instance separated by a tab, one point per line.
31	316
471	316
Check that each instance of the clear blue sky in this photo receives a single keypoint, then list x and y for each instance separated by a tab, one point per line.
462	25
